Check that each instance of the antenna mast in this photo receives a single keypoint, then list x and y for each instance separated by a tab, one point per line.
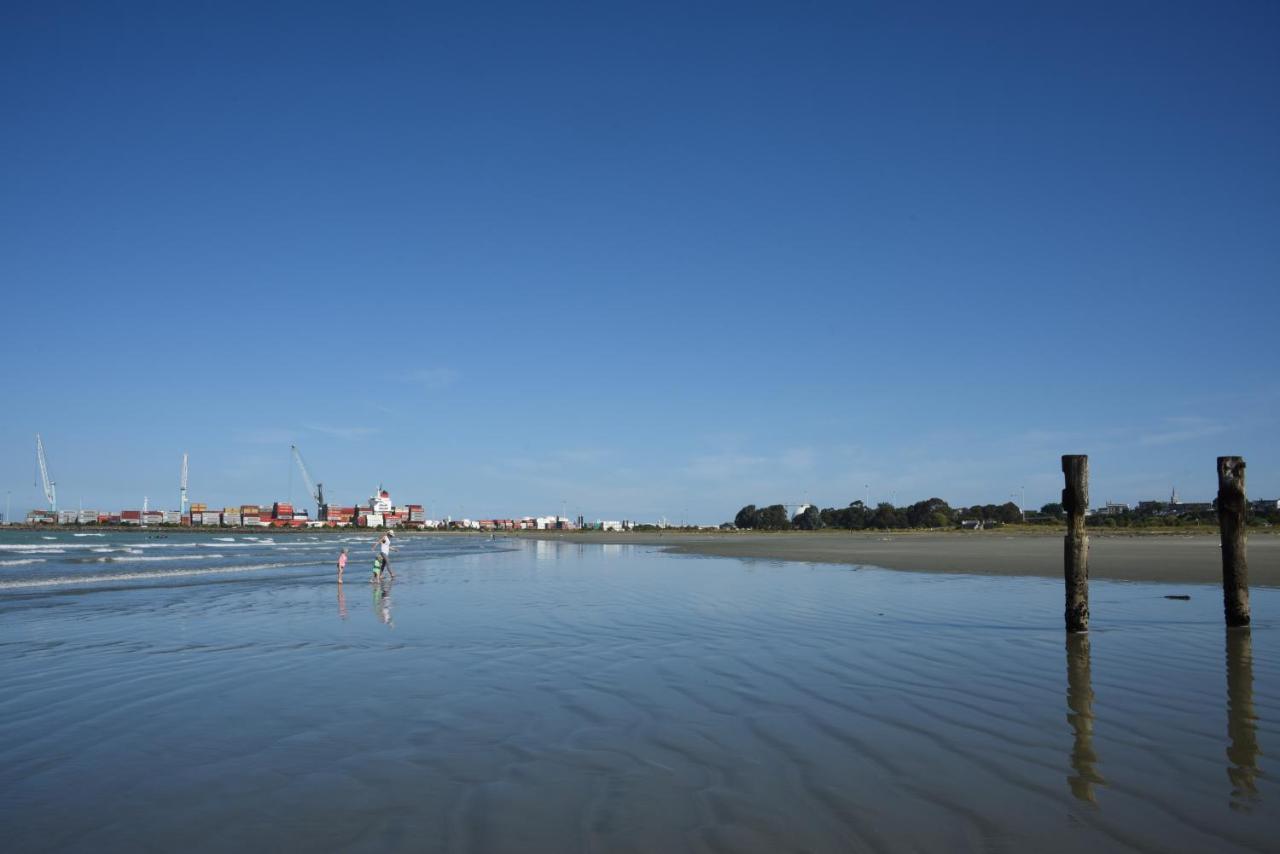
182	487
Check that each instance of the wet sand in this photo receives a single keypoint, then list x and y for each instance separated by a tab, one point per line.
528	696
1174	558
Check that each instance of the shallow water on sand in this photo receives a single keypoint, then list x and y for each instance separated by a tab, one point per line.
534	696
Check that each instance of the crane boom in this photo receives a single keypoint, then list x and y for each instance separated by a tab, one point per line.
316	489
182	486
50	487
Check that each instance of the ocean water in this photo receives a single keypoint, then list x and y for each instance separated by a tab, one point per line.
214	693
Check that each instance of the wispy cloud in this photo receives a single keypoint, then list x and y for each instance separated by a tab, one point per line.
1175	430
725	465
342	432
435	378
570	459
733	464
583	455
798	459
265	436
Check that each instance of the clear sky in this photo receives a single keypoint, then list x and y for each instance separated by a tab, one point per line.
637	260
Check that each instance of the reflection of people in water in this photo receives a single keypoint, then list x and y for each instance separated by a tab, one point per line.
1080	716
1242	726
342	604
382	602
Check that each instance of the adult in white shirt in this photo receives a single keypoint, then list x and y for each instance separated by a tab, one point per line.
384	546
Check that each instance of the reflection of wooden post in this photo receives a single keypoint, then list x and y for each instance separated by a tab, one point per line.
1242	727
1080	716
1075	500
1235	568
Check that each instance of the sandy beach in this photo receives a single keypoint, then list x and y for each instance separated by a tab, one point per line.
1174	558
515	695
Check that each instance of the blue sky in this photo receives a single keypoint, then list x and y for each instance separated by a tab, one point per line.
638	260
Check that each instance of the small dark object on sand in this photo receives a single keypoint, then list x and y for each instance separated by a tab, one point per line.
1182	596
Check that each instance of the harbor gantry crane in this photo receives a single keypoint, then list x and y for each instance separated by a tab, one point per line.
316	489
182	487
50	488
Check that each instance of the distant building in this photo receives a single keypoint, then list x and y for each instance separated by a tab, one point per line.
380	502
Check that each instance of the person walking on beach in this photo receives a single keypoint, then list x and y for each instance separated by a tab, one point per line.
342	563
383	560
385	548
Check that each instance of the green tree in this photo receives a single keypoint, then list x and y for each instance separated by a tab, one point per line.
1053	509
930	513
809	520
1009	512
887	516
857	516
773	518
747	517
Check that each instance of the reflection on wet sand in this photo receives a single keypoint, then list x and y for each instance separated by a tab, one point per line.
1242	726
382	601
1080	716
342	603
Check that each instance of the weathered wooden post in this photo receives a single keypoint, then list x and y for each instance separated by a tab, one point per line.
1235	568
1075	501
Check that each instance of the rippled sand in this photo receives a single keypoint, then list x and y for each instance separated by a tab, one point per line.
557	697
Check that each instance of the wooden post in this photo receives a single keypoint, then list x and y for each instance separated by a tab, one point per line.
1075	500
1235	568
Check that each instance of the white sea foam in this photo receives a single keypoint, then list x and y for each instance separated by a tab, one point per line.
68	580
27	547
153	558
21	561
88	535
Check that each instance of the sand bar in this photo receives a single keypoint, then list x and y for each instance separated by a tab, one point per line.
1175	558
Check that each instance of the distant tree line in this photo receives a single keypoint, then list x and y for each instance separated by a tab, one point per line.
936	513
930	513
1175	516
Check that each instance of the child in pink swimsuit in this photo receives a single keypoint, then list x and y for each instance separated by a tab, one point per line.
342	564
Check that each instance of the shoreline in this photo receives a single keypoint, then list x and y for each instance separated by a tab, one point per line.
1173	557
1193	558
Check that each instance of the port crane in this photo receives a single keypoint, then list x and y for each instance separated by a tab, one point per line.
316	489
182	487
50	488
